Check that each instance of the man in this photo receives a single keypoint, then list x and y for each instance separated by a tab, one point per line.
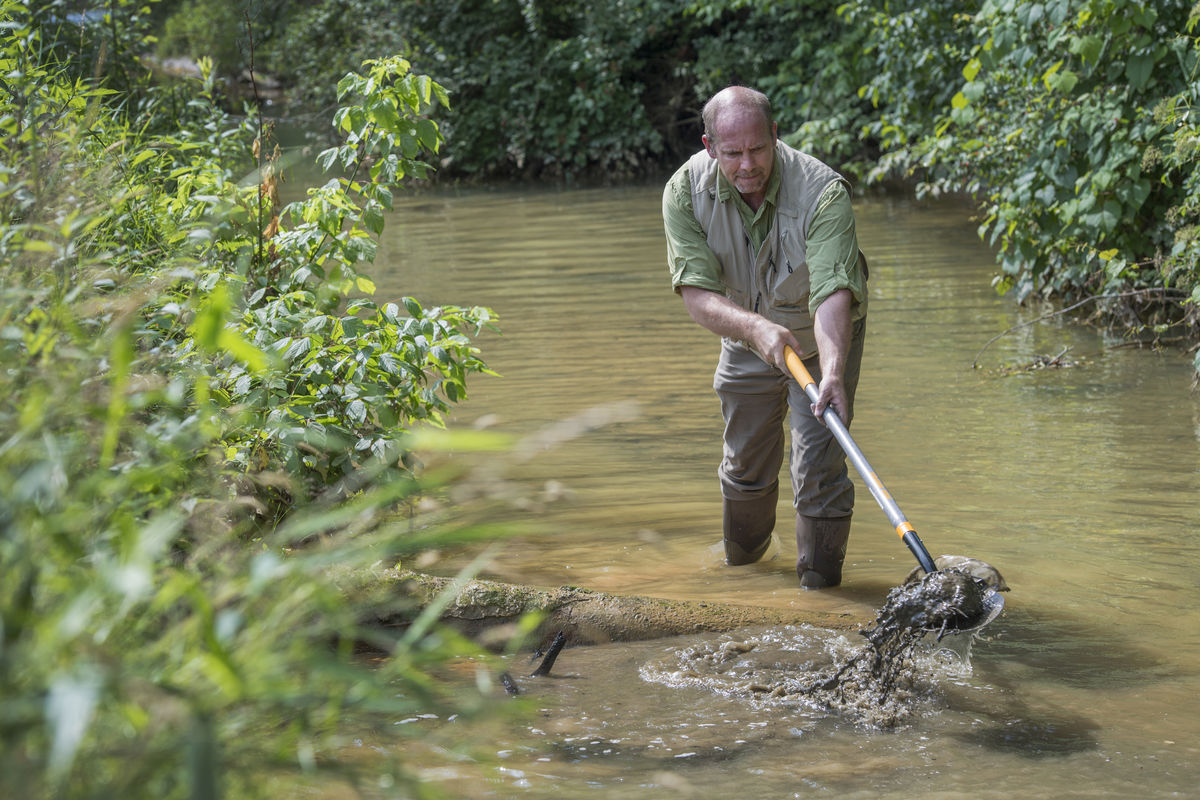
762	249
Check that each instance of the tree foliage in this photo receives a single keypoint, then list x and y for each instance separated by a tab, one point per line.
1068	121
544	89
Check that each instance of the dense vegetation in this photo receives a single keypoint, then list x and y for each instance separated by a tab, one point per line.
206	418
1069	121
206	407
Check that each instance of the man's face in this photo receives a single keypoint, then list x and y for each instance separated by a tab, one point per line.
744	146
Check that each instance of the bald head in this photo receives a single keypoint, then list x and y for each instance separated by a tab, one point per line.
735	101
740	134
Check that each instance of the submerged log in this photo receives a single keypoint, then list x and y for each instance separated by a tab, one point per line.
585	617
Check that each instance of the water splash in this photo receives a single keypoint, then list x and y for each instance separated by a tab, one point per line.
880	683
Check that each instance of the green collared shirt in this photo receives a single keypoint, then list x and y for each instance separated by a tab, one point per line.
831	248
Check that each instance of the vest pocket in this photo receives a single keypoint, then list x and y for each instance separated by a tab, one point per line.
794	318
791	289
797	320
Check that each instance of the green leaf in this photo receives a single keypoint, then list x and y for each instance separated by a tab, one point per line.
140	158
1064	82
384	114
1146	16
1138	69
427	133
1087	47
373	218
1114	268
1051	72
38	246
327	158
210	319
297	349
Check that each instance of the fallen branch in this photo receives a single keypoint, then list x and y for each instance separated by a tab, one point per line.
1042	362
584	617
1068	309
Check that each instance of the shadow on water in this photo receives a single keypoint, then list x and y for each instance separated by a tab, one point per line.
1040	735
1011	724
1077	653
1047	649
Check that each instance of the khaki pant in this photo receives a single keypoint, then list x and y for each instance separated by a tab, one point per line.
754	398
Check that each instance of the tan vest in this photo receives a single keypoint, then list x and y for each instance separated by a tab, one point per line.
774	281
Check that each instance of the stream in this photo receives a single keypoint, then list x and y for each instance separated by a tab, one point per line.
1079	484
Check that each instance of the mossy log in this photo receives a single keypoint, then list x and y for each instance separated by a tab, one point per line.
482	607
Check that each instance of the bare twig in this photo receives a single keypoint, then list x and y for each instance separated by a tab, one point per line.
258	252
548	662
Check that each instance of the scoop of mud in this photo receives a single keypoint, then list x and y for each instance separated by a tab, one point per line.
879	683
941	602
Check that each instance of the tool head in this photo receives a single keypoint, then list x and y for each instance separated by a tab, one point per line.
945	601
973	566
977	605
993	604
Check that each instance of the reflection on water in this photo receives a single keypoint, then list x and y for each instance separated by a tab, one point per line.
1079	484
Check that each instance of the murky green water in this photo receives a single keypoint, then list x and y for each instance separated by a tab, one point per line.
1081	485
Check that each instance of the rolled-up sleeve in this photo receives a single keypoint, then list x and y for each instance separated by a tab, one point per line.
690	259
832	251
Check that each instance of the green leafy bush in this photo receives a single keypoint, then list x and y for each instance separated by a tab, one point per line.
350	376
159	636
1068	123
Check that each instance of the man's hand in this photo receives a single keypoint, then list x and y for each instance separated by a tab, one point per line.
832	393
831	325
769	340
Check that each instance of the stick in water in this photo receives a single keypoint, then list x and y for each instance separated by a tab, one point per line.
548	662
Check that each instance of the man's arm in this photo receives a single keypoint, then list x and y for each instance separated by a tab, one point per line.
838	291
831	325
724	317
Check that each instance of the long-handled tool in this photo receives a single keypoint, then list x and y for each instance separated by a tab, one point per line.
993	602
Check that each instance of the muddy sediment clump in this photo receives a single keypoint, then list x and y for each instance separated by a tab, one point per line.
878	684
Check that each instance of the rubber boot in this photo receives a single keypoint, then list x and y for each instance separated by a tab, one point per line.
748	525
820	550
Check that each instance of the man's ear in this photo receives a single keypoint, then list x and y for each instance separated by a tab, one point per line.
709	145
